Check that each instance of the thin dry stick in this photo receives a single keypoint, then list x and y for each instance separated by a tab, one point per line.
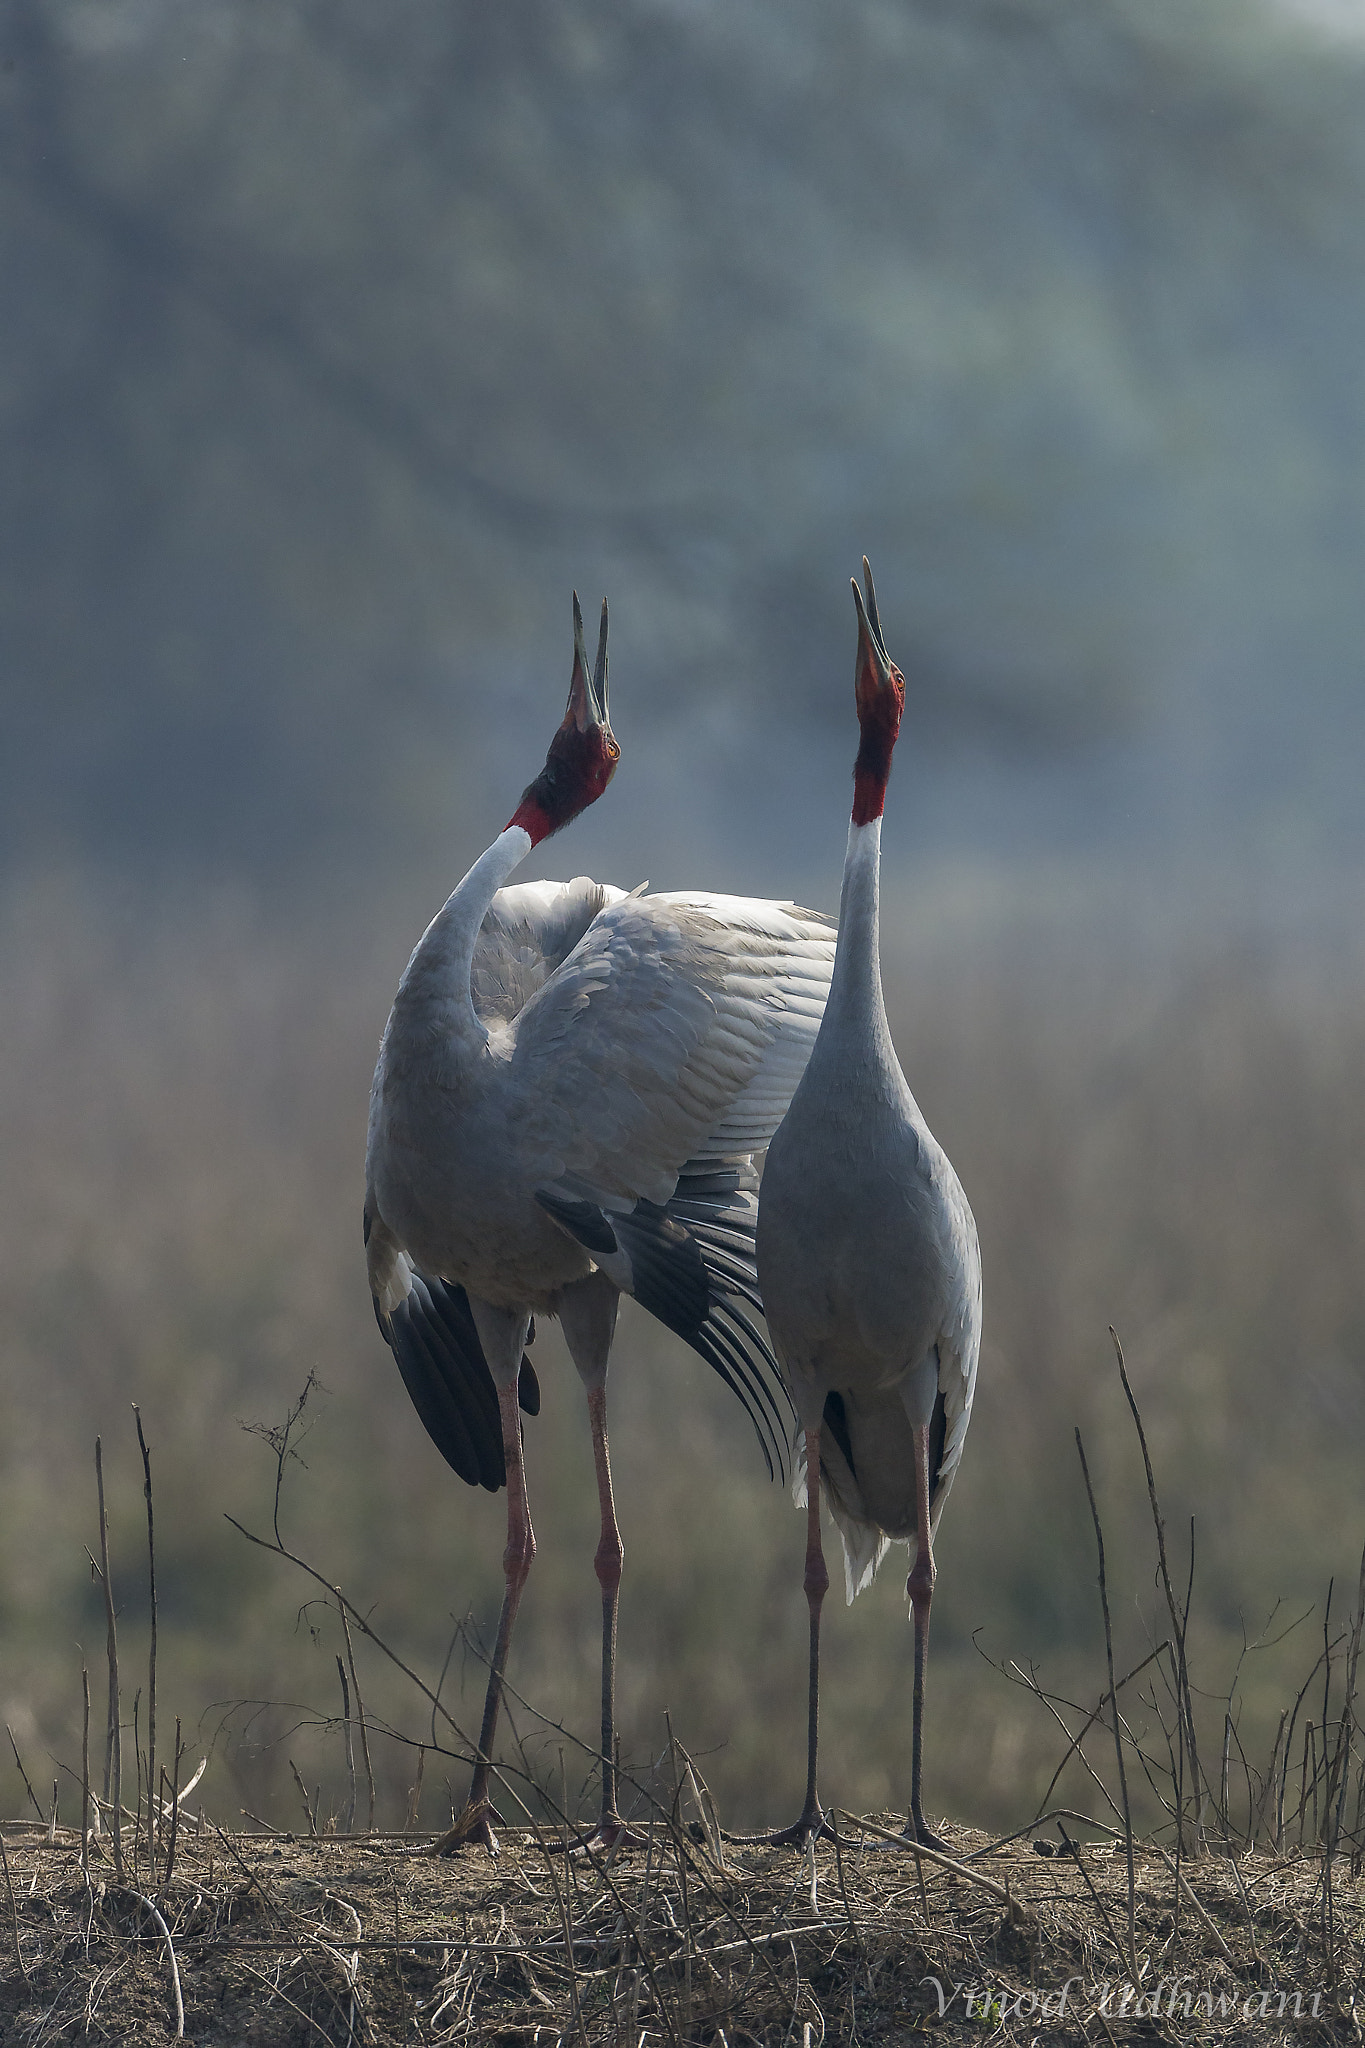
303	1795
415	1791
1118	1733
175	1809
551	1853
13	1915
398	1964
1348	1704
902	1841
1028	1679
353	1614
1288	1746
676	1822
137	1801
350	1746
113	1756
151	1659
1269	1787
164	1931
23	1773
1310	1749
359	1712
85	1771
1073	1849
1184	1703
1078	1739
1183	1884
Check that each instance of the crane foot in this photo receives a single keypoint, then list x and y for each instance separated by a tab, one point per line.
917	1829
812	1827
473	1829
610	1835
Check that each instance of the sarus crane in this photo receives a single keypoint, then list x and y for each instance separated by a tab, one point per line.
571	1087
868	1261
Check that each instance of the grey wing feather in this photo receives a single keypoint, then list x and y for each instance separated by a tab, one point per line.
675	1032
527	934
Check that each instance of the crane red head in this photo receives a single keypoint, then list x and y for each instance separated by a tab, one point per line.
583	753
879	688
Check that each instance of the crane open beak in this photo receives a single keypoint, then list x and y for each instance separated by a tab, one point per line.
588	695
875	669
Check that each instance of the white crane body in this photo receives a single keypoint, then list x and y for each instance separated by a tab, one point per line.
869	1259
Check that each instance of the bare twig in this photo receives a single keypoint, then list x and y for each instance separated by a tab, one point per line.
359	1711
24	1775
1183	1884
902	1841
1185	1705
353	1613
151	1658
1078	1739
85	1771
1113	1700
350	1746
303	1795
164	1931
13	1915
175	1806
415	1790
1073	1849
113	1756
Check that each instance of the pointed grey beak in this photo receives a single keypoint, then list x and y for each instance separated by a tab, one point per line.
588	695
871	644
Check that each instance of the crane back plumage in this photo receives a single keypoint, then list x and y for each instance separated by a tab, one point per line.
583	1086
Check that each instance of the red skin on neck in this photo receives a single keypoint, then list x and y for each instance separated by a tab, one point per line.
577	769
879	716
532	819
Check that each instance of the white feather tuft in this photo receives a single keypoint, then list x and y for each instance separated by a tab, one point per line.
864	1544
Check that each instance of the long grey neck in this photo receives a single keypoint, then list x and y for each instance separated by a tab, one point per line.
855	1010
437	976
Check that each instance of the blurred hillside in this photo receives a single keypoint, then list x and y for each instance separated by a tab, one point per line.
340	344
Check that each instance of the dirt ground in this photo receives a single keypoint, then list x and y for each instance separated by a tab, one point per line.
274	1940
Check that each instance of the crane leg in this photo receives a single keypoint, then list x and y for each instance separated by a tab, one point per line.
475	1824
812	1821
611	1831
920	1587
587	1316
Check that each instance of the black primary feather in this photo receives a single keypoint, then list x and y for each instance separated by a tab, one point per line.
434	1339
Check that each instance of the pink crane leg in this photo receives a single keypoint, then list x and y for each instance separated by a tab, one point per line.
920	1587
475	1824
812	1820
816	1586
611	1829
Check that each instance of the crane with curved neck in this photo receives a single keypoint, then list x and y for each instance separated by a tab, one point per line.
570	1090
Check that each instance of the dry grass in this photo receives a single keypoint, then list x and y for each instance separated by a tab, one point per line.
281	1939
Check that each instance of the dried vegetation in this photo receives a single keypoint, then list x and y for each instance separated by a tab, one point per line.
281	1939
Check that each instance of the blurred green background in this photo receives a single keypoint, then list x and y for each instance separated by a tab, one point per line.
339	344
